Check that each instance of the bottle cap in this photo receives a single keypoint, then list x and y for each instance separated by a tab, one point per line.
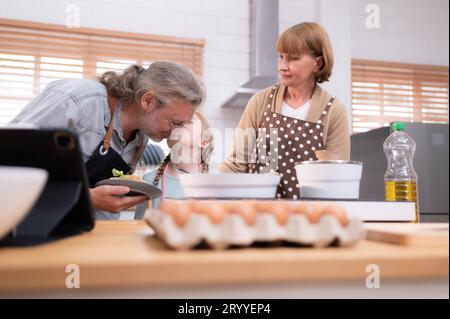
397	126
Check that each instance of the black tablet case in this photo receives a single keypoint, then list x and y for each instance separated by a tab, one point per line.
63	208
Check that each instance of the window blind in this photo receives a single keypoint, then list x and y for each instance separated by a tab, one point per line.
385	91
34	54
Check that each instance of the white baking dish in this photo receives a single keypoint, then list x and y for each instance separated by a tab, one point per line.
329	179
229	185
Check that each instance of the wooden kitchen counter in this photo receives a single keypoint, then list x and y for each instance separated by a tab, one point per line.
125	255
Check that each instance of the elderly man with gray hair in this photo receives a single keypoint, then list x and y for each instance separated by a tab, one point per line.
114	118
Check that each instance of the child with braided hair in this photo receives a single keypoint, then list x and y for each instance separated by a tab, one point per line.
190	151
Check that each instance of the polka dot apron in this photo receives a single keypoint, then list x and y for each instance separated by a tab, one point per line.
283	141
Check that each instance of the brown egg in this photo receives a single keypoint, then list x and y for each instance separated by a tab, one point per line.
245	209
278	209
285	204
337	211
214	210
179	211
298	208
263	206
169	206
314	212
289	207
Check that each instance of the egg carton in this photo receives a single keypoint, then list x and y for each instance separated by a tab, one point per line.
234	231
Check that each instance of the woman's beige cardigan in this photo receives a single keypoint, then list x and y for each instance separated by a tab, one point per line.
336	131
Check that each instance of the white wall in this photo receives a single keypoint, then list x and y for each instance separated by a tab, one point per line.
411	31
292	12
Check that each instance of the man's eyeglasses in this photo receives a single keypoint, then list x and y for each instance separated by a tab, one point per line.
172	123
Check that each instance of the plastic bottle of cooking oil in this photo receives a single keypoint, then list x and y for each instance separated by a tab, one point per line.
400	178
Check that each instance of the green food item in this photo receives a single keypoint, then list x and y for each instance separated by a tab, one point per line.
117	173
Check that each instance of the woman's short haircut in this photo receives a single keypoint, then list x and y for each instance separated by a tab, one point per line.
309	37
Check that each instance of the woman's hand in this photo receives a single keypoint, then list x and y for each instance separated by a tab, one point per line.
107	197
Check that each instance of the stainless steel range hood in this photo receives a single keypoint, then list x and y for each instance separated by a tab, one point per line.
263	53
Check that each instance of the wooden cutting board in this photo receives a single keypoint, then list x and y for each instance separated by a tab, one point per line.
409	234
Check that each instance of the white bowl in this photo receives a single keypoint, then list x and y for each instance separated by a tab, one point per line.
20	187
230	185
329	179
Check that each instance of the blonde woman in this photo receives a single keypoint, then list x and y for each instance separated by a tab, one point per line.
290	121
114	118
191	148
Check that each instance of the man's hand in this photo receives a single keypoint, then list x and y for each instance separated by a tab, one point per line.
107	197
